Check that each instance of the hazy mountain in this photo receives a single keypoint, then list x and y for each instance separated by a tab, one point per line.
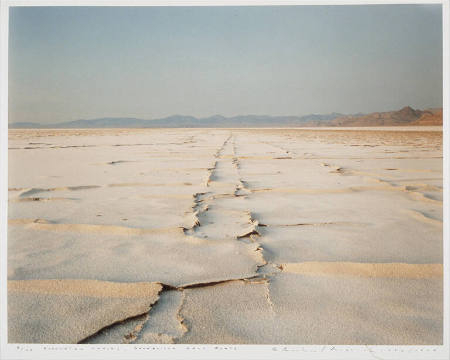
185	121
405	116
430	117
25	125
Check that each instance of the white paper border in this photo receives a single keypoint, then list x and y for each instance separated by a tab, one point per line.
59	351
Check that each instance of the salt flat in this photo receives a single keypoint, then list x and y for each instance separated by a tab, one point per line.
246	236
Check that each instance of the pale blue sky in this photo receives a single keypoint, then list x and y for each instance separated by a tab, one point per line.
69	63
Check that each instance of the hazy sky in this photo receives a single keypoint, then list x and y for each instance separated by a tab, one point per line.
68	63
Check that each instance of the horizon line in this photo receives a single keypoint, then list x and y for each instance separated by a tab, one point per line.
225	117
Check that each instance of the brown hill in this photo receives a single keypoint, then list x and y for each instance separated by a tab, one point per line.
430	117
404	117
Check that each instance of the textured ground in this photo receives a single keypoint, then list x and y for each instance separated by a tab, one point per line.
225	236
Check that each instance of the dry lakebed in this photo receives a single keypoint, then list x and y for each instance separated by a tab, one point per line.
225	236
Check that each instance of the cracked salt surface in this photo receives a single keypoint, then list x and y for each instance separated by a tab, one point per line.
239	236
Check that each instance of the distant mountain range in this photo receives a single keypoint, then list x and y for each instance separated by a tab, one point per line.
405	116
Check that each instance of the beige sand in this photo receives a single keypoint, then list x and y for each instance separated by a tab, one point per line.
377	270
69	311
91	288
292	236
296	309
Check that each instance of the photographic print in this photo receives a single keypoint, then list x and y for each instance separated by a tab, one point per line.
235	175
